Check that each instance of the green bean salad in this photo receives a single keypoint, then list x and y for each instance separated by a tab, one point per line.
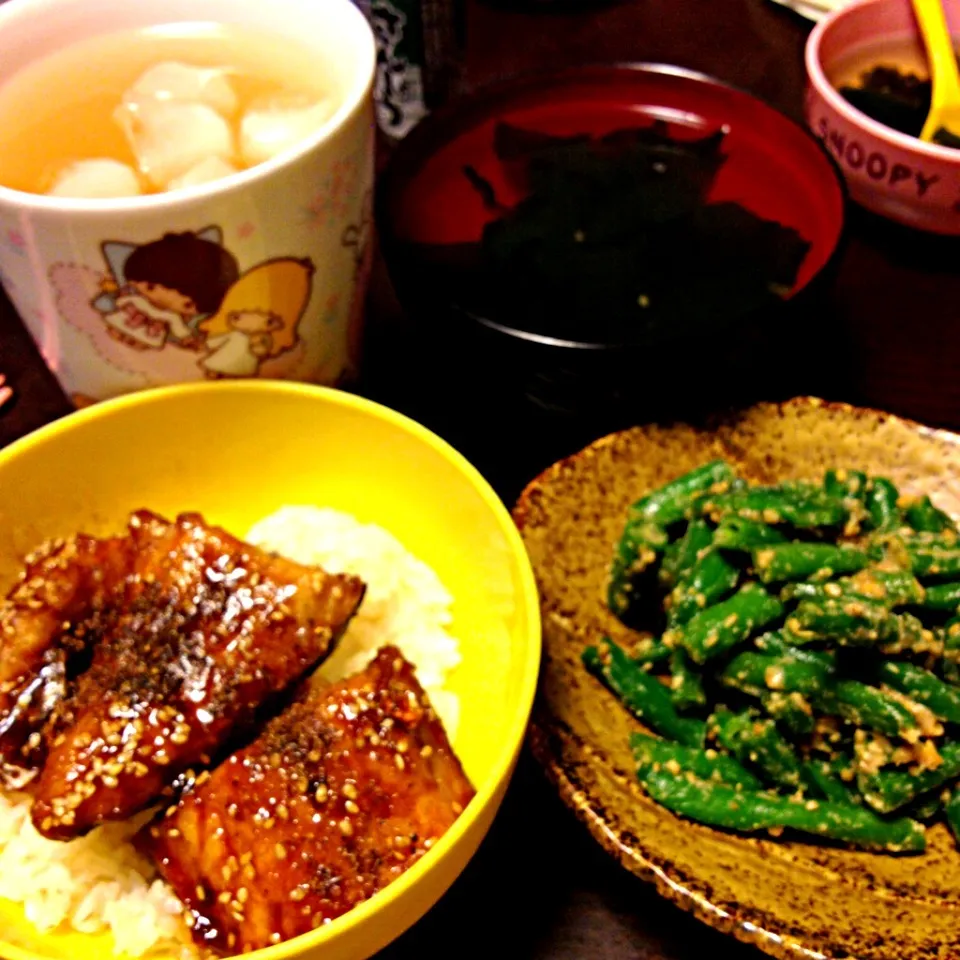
805	670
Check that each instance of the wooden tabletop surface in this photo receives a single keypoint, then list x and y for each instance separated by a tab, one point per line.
540	888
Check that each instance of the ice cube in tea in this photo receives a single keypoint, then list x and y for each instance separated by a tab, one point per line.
96	179
169	137
271	126
171	80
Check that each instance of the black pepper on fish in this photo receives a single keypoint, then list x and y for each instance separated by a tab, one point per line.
129	663
353	818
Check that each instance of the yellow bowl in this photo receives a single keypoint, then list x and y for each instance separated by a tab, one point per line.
238	451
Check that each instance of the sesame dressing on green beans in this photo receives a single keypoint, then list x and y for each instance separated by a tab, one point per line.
758	743
892	788
645	535
710	579
651	753
681	555
799	665
802	508
738	533
792	711
950	657
819	774
881	502
845	484
800	561
923	516
724	806
943	596
645	696
720	628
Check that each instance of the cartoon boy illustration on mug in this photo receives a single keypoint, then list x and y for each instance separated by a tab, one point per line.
162	289
257	318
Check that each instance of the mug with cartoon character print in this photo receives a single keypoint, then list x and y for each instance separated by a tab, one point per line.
262	273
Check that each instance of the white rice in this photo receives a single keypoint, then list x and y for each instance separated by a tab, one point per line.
405	603
99	883
94	884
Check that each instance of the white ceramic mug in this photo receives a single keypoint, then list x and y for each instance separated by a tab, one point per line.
290	237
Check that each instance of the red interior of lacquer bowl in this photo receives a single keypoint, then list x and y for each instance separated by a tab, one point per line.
773	168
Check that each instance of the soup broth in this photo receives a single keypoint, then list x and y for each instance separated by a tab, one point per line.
63	108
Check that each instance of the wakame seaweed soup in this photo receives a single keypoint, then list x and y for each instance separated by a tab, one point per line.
615	240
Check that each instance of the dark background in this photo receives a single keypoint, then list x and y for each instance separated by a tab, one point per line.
886	332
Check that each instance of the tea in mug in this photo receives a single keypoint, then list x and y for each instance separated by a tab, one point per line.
159	108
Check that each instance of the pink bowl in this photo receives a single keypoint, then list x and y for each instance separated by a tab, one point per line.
890	173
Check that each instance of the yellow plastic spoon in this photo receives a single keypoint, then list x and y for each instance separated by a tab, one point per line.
945	100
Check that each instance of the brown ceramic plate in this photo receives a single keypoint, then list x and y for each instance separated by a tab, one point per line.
791	899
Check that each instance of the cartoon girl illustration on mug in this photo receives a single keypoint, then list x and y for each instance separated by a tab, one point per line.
257	318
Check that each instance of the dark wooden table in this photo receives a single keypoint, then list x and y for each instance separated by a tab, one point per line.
539	887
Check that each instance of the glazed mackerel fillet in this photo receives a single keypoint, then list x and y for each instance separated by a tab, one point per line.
43	638
180	650
337	797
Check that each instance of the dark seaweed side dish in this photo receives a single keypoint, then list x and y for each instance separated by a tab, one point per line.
898	100
615	240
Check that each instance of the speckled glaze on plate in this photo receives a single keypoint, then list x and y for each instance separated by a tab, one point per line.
791	899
